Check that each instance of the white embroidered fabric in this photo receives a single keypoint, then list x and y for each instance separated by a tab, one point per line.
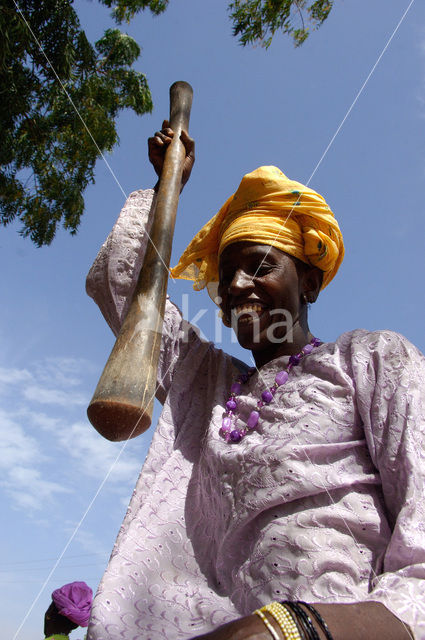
323	502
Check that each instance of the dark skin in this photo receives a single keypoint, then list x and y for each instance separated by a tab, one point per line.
157	146
273	290
54	622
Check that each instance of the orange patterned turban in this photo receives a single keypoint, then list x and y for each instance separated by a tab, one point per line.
268	208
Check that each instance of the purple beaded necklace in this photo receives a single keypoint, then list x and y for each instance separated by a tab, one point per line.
229	431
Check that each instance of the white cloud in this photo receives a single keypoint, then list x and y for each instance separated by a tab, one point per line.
90	542
51	381
17	447
96	456
30	460
29	489
21	454
13	376
47	450
43	395
40	420
62	372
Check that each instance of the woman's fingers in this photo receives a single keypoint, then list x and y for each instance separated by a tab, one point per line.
188	142
157	146
189	145
160	138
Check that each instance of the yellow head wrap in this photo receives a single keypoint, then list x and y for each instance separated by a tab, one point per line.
268	208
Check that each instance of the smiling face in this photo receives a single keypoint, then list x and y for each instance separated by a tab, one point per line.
262	291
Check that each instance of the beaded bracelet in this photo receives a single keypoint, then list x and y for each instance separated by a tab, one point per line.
303	618
319	619
304	629
273	632
284	619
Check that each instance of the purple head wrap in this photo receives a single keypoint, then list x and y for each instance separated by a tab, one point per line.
74	601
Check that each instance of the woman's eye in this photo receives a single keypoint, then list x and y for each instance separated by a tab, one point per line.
262	269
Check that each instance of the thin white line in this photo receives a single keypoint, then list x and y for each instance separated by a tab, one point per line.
67	545
84	124
344	119
83	517
69	97
135	426
360	92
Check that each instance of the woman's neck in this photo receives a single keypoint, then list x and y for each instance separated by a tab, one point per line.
300	337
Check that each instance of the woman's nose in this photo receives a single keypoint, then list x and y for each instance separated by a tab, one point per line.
240	281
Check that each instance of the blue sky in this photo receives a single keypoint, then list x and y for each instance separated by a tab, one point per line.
251	107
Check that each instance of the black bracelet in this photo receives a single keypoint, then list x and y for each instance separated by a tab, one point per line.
304	618
319	619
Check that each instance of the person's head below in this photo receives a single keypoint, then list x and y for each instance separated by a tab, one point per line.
264	257
70	608
55	623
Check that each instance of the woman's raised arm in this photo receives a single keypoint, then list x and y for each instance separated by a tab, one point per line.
113	275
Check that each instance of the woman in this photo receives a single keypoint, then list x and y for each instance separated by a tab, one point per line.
69	609
300	480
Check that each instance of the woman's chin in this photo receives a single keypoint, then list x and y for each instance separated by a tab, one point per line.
264	344
253	335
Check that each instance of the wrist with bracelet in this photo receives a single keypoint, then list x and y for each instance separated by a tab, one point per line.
293	620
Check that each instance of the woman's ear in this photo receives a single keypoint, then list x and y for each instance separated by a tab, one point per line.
312	281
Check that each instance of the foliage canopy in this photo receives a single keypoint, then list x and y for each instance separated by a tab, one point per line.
256	21
48	147
60	97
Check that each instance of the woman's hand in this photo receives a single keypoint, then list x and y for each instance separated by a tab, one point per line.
158	144
247	628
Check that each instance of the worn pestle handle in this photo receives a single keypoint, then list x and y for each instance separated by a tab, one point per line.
122	403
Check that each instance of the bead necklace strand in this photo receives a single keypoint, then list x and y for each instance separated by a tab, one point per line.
229	431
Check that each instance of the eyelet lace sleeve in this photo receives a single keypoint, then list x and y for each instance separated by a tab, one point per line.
113	276
394	421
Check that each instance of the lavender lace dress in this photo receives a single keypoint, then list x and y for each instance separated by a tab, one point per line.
325	502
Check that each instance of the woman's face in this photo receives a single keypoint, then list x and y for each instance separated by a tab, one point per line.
261	290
